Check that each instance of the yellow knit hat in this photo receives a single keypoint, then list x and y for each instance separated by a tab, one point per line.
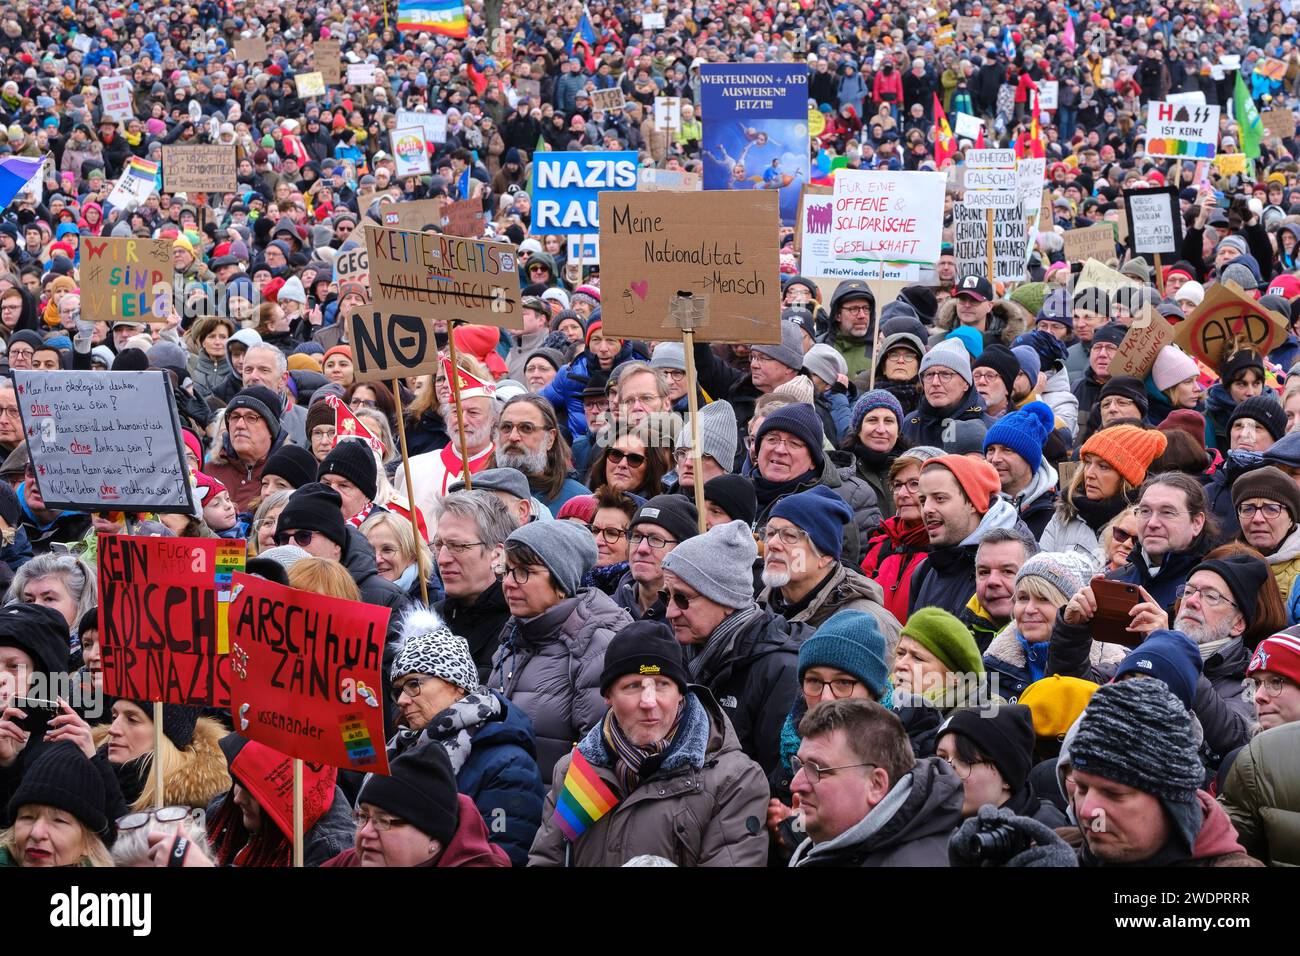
1056	703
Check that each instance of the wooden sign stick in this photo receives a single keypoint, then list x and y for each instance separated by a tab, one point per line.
455	397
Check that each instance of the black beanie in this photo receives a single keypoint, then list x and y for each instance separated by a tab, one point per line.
38	630
63	777
1112	334
676	514
1245	575
1002	360
1005	734
352	459
1128	387
263	401
9	509
89	621
315	507
294	464
1236	364
735	495
645	648
131	360
420	789
801	421
1267	411
179	720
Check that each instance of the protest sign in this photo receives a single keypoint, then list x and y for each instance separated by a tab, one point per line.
1279	122
609	100
305	674
668	113
1029	184
251	49
1181	131
756	129
464	218
1093	242
361	74
1186	99
883	216
82	43
352	263
565	187
1226	318
1230	164
1095	275
970	26
1272	68
410	156
433	124
136	184
816	122
991	179
1048	92
966	126
104	441
309	84
329	61
720	245
946	35
414	215
1147	335
667	180
652	21
972	241
204	169
529	89
1155	222
813	245
163	633
582	249
126	278
115	94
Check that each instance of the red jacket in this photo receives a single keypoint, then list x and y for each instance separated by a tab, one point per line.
892	557
469	846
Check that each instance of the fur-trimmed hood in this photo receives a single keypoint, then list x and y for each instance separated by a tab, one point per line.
202	774
1007	319
1006	648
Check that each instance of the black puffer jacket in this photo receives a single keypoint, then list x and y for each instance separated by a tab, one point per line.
925	426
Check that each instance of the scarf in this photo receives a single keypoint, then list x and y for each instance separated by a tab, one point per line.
1210	648
631	762
769	492
717	650
875	462
1096	514
361	515
453	727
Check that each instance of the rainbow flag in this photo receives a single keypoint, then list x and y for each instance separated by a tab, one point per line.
584	799
15	173
445	17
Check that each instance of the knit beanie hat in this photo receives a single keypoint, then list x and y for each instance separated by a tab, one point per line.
1279	654
970	338
719	433
1263	409
946	638
870	401
429	647
319	508
1136	733
1002	360
1190	291
1024	431
790	352
735	495
798	391
582	507
670	355
420	789
567	549
676	514
898	340
302	362
1030	362
1056	703
352	459
964	436
1235	242
1245	575
1128	449
821	513
718	564
646	648
1030	296
319	413
1110	334
261	400
1238	363
294	464
978	479
39	631
1285	451
948	354
1005	734
1173	366
825	362
1056	569
1056	307
1170	656
801	421
179	720
63	777
849	641
1126	386
1270	483
1188	421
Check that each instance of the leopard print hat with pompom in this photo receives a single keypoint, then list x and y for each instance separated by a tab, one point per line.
429	647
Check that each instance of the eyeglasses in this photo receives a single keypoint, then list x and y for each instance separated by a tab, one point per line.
912	486
455	547
410	687
1273	684
676	597
982	377
300	538
1209	597
1120	536
527	429
21	353
245	419
633	459
521	573
8	412
840	687
364	403
381	823
789	536
608	535
957	765
941	375
173	814
1271	510
1166	514
656	542
776	441
856	310
815	773
673	374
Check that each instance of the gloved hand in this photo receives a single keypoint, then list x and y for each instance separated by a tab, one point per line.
1048	849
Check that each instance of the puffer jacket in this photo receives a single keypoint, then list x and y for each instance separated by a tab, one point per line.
1285	563
844	590
1058	397
946	578
703	806
926	425
909	827
1006	658
891	558
1006	321
207	374
1070	534
565	390
1262	796
549	666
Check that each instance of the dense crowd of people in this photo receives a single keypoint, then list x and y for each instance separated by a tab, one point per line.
959	595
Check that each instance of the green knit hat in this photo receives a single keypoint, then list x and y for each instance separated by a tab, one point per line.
946	638
1031	296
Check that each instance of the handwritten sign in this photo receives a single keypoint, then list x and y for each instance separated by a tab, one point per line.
1182	131
410	156
1227	316
609	100
1147	335
1274	69
966	126
971	240
464	218
162	617
991	179
352	264
104	441
1230	164
115	93
204	169
390	344
566	184
813	245
882	216
1096	275
126	278
1279	122
309	84
1093	242
722	245
433	124
251	49
361	74
329	61
1155	223
1049	92
652	21
305	674
413	215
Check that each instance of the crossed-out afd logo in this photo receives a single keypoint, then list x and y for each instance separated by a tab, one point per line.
76	909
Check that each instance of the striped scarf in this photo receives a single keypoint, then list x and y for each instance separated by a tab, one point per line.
631	762
717	651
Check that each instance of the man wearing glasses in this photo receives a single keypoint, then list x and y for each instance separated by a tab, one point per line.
658	526
853	321
252	433
947	394
529	439
11	422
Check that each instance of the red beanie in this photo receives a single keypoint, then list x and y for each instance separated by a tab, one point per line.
978	479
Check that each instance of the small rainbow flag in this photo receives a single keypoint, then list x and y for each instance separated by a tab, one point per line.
445	17
584	799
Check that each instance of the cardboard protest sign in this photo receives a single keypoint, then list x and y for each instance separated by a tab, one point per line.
163	631
361	74
1230	164
720	245
1048	92
126	278
1227	317
1155	221
609	100
305	674
104	441
414	215
352	264
1279	122
1096	275
668	180
970	26
1093	242
1272	68
813	245
115	94
1029	184
565	187
204	169
309	84
410	156
1181	131
251	49
887	216
329	61
1147	335
529	89
464	218
389	345
971	241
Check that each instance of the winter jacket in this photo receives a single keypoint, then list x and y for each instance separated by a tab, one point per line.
703	806
480	621
1285	563
469	845
1171	575
324	836
200	773
926	425
946	578
843	590
1006	658
1218	490
1262	796
1216	843
565	390
550	667
909	827
892	557
1037	502
207	374
1057	395
1070	534
1005	321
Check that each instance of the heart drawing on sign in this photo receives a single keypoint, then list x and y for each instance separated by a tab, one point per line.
640	288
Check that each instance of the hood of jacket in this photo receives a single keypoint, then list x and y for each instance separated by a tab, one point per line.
1006	319
1218	837
1003	514
1043	481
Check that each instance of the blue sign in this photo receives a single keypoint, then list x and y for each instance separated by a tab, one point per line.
566	185
755	119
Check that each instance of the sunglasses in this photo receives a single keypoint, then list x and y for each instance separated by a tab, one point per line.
1120	536
633	459
681	600
300	538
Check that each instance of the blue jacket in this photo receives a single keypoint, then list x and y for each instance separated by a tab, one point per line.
565	390
1173	573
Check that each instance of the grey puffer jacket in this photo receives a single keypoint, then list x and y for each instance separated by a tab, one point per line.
549	666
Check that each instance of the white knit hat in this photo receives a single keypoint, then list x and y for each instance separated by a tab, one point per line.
1173	366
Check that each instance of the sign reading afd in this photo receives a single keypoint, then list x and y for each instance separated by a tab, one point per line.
565	187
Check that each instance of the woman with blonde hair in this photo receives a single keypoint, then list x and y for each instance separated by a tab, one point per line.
60	811
323	577
400	556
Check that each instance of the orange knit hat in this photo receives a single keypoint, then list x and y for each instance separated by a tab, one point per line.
1128	449
978	479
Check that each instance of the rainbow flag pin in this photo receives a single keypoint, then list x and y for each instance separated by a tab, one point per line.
584	799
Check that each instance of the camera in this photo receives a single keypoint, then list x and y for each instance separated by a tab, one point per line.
996	843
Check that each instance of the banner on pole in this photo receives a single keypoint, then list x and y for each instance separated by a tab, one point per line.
204	169
1155	221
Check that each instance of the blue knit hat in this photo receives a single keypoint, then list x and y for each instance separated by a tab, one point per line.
800	420
1170	656
1030	363
970	337
849	641
821	513
869	402
1024	432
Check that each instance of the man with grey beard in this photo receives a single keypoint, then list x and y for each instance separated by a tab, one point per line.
529	440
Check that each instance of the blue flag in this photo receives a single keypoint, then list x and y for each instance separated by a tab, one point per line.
15	173
1008	44
584	30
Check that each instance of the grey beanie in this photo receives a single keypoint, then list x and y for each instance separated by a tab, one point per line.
718	434
669	355
1235	242
790	352
719	564
949	353
1240	274
429	647
566	548
825	362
